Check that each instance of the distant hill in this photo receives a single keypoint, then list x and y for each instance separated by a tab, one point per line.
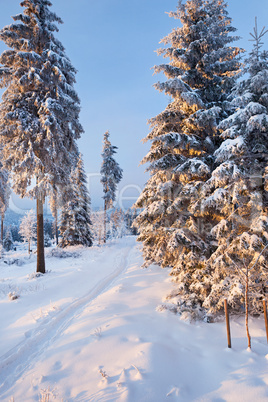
13	218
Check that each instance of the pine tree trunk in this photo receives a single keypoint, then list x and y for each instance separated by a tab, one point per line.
100	234
40	238
246	302
2	228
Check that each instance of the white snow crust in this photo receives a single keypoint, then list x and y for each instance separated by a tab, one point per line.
93	328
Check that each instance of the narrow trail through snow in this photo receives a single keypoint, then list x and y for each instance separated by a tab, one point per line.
20	358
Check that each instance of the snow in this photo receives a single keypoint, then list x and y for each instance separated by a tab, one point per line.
230	148
257	122
218	197
94	329
243	115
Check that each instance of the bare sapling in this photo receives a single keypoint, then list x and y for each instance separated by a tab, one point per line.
246	273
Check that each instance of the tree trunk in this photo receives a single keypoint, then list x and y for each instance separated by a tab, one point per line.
40	238
100	226
2	227
29	247
227	323
246	302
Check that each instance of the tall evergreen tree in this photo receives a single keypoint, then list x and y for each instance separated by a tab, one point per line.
39	113
111	174
75	225
201	72
237	191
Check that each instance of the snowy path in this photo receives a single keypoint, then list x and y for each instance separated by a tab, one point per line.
20	358
91	330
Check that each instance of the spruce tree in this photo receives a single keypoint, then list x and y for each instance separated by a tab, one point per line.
39	113
75	225
237	192
117	224
111	174
97	218
8	240
200	74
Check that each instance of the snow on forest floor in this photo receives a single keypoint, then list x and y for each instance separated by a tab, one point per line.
91	330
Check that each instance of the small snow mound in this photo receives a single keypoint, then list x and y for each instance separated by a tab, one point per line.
248	351
186	316
16	261
35	275
59	253
137	375
13	296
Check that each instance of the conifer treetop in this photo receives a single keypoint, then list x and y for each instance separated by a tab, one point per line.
200	72
39	114
199	51
257	60
110	170
257	39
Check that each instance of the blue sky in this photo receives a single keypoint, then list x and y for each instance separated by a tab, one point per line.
112	44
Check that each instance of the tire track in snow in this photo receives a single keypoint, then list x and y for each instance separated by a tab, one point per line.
16	361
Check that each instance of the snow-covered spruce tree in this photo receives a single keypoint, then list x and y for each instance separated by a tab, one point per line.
97	225
200	74
118	227
8	240
75	222
39	113
4	196
130	217
237	192
111	174
28	228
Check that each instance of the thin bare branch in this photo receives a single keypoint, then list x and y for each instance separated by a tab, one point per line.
259	256
239	270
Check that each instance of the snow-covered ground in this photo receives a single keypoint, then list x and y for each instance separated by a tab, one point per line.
91	330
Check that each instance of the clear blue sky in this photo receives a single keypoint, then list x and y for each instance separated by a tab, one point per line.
112	44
